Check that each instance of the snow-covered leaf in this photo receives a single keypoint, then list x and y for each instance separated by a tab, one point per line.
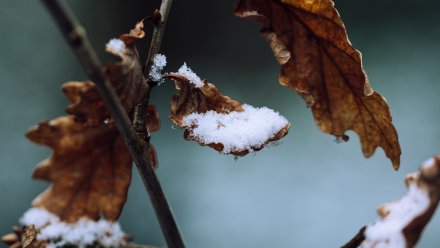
402	222
216	120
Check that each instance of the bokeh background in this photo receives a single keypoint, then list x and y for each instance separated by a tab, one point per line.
308	191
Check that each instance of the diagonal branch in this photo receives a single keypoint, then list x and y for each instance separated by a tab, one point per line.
76	37
357	239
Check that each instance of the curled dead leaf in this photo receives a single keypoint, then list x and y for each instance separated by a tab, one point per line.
193	99
126	77
309	40
23	237
28	236
134	35
206	102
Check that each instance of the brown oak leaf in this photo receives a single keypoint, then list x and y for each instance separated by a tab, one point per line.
199	100
309	40
125	76
90	169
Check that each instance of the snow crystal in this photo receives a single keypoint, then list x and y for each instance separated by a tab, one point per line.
159	62
236	130
83	233
248	14
116	46
186	72
387	233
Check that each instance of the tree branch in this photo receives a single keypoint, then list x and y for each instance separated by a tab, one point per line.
76	37
160	19
356	240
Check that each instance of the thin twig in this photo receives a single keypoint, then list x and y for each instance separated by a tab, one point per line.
160	19
76	37
159	29
356	240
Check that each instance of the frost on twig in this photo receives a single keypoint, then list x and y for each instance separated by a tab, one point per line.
159	62
47	230
403	221
220	122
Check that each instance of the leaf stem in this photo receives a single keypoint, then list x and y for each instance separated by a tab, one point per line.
76	37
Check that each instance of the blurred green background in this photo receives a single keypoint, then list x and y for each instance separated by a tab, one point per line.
306	192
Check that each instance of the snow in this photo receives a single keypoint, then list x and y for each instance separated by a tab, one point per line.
38	217
387	233
236	130
116	46
159	62
186	72
428	163
82	233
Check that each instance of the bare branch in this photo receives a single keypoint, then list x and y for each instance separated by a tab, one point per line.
356	240
160	19
75	36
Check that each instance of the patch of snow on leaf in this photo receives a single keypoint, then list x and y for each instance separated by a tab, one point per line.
387	232
428	163
116	46
159	62
236	130
83	233
38	217
186	72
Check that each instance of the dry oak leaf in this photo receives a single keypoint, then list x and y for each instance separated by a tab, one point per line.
196	107
125	76
402	222
309	40
90	169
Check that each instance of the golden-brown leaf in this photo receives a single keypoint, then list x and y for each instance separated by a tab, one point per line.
126	77
192	99
317	60
90	169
